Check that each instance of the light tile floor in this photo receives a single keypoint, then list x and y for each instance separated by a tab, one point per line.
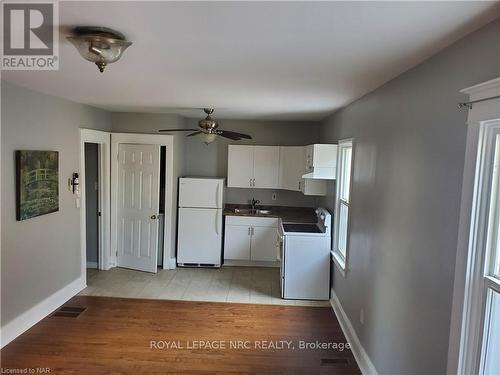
226	284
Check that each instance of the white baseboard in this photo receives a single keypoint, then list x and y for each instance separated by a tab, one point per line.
172	263
92	265
364	362
251	263
32	316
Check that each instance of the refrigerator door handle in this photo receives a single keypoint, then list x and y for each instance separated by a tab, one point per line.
217	195
217	221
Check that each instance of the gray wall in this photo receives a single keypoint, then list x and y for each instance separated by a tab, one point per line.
36	262
194	158
409	153
211	160
91	200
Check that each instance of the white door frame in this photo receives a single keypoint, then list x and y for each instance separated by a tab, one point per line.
153	139
103	139
464	330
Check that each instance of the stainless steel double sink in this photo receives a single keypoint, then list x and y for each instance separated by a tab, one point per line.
251	211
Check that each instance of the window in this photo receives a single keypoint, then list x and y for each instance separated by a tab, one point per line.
481	321
342	203
490	361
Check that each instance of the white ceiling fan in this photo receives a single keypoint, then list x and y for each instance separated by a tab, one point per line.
208	130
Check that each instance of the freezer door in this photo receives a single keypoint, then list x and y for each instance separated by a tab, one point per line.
199	236
201	192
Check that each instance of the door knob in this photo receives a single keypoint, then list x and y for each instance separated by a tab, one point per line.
153	217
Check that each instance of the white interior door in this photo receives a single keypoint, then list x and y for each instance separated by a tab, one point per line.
138	200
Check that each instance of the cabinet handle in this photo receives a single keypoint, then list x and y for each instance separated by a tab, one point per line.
299	185
250	182
254	182
249	231
253	231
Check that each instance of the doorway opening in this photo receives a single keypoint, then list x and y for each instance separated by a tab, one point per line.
91	187
161	210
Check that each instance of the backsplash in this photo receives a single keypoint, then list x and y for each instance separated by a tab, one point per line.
283	198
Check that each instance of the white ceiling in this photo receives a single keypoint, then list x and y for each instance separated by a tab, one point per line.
274	60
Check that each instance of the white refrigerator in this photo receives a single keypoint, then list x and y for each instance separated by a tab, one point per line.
199	228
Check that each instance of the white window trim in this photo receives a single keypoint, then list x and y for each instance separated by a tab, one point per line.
342	262
462	355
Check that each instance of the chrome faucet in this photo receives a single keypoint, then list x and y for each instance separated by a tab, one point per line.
254	203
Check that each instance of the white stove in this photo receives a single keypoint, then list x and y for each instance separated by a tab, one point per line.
304	252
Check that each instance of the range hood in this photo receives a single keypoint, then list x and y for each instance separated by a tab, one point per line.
322	173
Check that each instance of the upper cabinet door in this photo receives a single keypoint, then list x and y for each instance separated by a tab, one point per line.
292	160
266	167
240	166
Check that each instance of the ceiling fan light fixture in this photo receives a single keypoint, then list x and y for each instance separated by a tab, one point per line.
207	138
99	45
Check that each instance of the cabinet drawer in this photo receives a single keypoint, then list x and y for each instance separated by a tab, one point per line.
252	221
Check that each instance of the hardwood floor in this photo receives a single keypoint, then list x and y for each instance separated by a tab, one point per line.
130	336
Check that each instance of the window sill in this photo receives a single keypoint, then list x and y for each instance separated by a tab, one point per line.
339	263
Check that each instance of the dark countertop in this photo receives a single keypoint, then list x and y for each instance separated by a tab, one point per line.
285	213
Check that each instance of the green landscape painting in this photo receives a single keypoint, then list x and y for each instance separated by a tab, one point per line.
37	174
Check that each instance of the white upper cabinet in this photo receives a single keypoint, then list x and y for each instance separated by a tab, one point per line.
253	166
240	166
292	159
321	162
298	168
266	164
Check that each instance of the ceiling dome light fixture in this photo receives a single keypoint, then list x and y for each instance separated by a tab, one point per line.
99	45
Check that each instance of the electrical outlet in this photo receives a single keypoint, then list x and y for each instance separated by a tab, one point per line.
274	196
362	316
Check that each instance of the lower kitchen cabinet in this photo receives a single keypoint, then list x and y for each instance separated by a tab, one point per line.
237	242
263	244
250	239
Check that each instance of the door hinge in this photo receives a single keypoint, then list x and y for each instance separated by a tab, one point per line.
99	214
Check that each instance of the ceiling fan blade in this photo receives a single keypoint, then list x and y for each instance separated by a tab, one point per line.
195	133
228	134
178	130
232	137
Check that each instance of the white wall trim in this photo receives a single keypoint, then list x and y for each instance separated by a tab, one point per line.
172	264
364	362
103	139
29	318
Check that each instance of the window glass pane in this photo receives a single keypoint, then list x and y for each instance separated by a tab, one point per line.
491	349
345	172
343	215
493	238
